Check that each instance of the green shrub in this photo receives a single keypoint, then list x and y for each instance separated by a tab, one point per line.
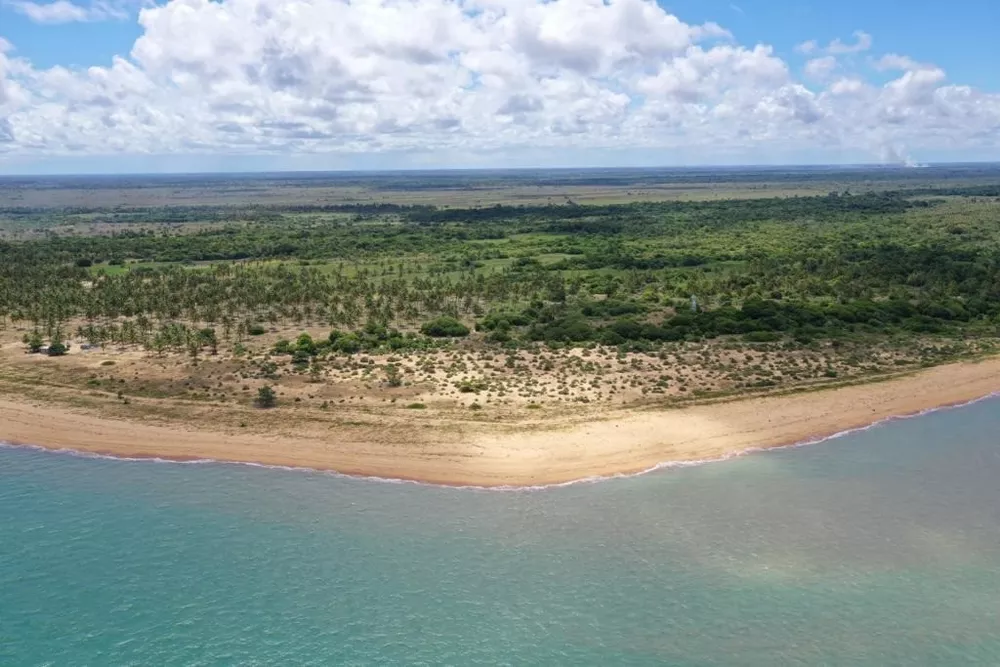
471	386
348	344
444	327
305	343
266	398
57	349
34	342
393	376
761	337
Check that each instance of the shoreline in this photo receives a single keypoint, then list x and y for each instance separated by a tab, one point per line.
663	465
510	456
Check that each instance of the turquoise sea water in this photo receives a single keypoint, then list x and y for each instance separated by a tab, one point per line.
878	548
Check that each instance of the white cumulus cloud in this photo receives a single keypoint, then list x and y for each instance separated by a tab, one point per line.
862	42
821	68
64	11
466	77
894	61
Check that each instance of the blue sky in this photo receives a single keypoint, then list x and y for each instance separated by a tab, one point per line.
963	37
67	44
959	38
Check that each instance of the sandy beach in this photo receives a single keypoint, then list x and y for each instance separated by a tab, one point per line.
519	454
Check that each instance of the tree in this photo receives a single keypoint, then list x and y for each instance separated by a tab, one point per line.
266	398
34	341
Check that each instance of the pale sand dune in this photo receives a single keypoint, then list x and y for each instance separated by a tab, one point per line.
524	454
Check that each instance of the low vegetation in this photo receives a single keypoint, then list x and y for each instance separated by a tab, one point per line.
501	307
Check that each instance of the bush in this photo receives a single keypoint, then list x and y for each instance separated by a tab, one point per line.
444	327
761	337
569	329
393	376
266	398
256	330
498	336
348	344
628	329
471	386
305	343
34	342
57	348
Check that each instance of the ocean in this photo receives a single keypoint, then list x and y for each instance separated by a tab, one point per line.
877	548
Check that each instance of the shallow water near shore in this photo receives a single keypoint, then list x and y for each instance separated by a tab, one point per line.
881	547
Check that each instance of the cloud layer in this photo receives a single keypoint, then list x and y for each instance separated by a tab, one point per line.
64	11
465	77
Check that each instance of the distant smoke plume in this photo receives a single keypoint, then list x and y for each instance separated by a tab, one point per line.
890	154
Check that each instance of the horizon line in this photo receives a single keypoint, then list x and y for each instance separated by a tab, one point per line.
435	170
